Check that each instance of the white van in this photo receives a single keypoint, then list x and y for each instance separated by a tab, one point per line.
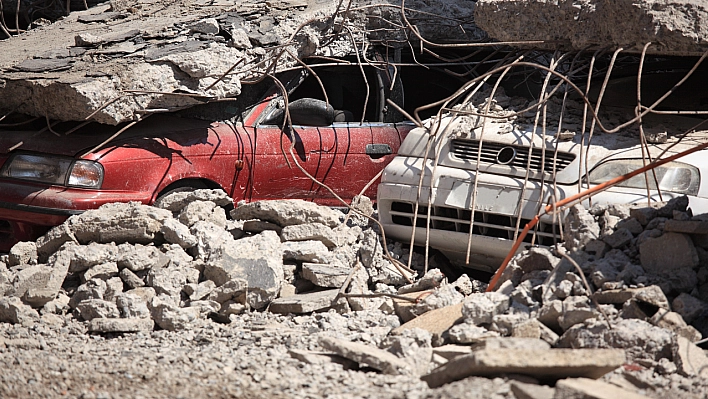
508	173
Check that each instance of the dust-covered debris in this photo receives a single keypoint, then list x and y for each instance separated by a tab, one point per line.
226	295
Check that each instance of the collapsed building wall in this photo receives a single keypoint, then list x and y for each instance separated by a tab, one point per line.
673	27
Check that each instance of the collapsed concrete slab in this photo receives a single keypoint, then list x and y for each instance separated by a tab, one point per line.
376	358
590	24
556	363
112	62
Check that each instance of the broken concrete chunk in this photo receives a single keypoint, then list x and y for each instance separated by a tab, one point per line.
378	359
127	325
210	238
13	311
652	295
576	309
619	238
548	335
199	291
114	286
527	329
60	305
206	307
86	39
404	308
138	257
469	333
669	252
437	322
171	317
168	281
480	308
674	322
465	286
325	275
208	26
537	258
440	297
287	213
451	351
92	289
87	256
234	289
60	263
32	277
131	279
555	363
176	201
304	303
104	272
690	359
119	222
202	211
239	39
597	247
413	346
90	309
133	305
305	251
581	228
689	307
686	226
23	253
630	224
644	215
257	259
177	233
259	226
639	338
549	314
310	231
585	388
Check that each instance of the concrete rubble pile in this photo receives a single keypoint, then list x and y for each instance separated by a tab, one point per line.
127	58
130	267
185	266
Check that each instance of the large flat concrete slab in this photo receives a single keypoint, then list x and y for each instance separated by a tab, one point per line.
538	363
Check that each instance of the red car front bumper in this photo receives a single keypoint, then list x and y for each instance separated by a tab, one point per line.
28	210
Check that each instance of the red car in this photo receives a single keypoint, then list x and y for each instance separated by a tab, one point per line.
47	178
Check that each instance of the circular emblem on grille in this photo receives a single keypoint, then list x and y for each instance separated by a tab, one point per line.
506	155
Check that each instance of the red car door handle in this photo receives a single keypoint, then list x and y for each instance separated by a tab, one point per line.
378	150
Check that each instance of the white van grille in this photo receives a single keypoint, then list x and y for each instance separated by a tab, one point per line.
512	155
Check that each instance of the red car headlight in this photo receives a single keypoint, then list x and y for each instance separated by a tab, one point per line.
54	170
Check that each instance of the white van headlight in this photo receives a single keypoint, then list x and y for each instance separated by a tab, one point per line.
676	177
55	170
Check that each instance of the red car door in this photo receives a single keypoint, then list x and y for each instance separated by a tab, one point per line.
345	155
275	172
